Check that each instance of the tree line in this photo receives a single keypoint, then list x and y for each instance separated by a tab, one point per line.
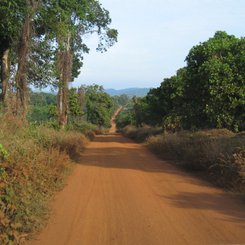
87	104
209	92
42	44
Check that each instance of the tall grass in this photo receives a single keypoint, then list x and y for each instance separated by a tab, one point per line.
34	162
140	134
218	154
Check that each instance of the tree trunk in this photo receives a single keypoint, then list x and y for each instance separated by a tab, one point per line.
21	79
63	105
65	71
5	74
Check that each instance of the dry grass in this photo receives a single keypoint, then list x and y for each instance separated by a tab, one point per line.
70	142
218	154
34	163
87	129
140	134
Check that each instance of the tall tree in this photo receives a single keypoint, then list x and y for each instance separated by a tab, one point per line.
208	93
48	34
74	19
215	88
99	105
12	16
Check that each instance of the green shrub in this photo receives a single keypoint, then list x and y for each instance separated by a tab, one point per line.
86	128
3	153
125	118
69	141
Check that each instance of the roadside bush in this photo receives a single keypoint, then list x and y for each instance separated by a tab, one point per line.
34	163
140	134
69	141
217	153
172	123
229	170
130	131
87	129
124	118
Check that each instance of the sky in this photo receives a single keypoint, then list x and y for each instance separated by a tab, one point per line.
155	37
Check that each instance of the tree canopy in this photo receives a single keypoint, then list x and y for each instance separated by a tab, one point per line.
43	42
208	93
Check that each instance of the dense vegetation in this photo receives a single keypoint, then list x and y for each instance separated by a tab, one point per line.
208	93
218	155
87	105
191	116
35	158
42	43
34	162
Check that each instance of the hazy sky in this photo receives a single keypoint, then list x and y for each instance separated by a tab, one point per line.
155	37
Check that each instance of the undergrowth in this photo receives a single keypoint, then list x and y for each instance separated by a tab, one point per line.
88	129
34	162
217	154
140	134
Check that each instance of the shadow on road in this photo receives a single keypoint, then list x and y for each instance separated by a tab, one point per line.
117	152
223	203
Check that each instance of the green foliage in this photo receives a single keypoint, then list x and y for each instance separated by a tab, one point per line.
87	129
59	19
121	100
54	51
12	15
3	153
162	105
75	104
172	123
125	117
99	106
214	90
41	70
42	99
208	93
40	114
42	107
88	105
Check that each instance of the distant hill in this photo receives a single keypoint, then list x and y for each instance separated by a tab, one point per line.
140	92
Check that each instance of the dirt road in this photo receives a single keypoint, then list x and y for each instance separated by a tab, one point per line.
120	193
